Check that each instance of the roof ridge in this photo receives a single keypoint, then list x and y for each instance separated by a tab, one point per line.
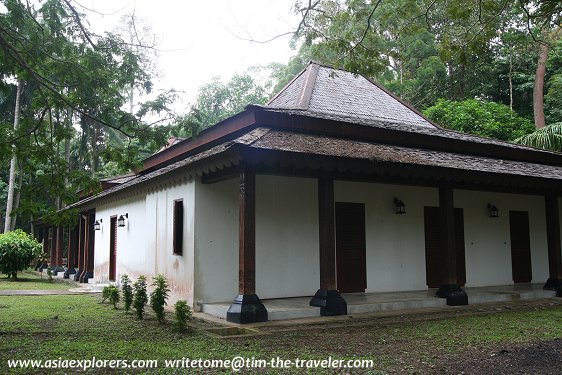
286	86
308	85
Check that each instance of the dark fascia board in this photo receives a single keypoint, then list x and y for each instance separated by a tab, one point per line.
229	128
314	125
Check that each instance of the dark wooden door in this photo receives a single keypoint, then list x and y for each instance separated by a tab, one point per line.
351	250
520	246
113	248
433	259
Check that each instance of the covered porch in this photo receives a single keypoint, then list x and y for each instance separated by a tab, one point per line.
360	303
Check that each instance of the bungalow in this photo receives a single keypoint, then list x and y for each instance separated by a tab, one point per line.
335	186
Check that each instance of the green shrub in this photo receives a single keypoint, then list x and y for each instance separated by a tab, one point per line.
183	314
105	293
127	291
140	297
113	295
17	251
50	273
159	296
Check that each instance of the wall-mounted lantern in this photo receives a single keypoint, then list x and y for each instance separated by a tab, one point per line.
400	206
121	220
493	210
97	224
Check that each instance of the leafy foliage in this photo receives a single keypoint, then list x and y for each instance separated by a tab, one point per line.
127	291
549	137
140	298
114	296
487	119
183	314
159	296
217	100
17	250
111	293
105	293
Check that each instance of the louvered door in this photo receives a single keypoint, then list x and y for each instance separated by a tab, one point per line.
350	247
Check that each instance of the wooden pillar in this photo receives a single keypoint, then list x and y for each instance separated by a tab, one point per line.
89	248
53	245
72	251
247	232
449	288
58	232
553	241
327	297
81	247
247	307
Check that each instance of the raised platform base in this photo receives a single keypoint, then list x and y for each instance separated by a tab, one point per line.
246	308
554	284
331	302
453	293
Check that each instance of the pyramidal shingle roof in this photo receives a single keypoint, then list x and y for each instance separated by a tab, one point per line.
332	92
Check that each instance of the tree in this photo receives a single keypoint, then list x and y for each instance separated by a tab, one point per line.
487	119
13	161
71	77
17	250
217	100
548	137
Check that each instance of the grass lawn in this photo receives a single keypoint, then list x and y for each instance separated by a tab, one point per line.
80	327
31	280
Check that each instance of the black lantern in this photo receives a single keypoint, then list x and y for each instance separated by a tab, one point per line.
493	210
121	220
400	206
97	224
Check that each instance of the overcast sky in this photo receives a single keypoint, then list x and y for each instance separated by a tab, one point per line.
203	39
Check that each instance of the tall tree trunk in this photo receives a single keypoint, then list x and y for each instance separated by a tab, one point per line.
17	198
13	162
451	82
67	148
511	82
538	90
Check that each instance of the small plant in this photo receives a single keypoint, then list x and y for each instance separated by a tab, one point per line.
127	291
140	297
105	293
159	296
113	295
50	273
183	314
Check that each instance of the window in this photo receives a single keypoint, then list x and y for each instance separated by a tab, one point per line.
178	227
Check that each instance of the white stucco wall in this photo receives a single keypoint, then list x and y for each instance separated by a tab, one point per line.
216	241
395	243
144	245
286	238
487	240
160	258
131	240
287	248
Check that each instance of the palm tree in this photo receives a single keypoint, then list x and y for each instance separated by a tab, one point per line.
549	138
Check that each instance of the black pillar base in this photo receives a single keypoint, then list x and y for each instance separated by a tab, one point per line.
554	284
331	302
77	275
246	308
86	276
41	266
57	269
453	293
68	272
